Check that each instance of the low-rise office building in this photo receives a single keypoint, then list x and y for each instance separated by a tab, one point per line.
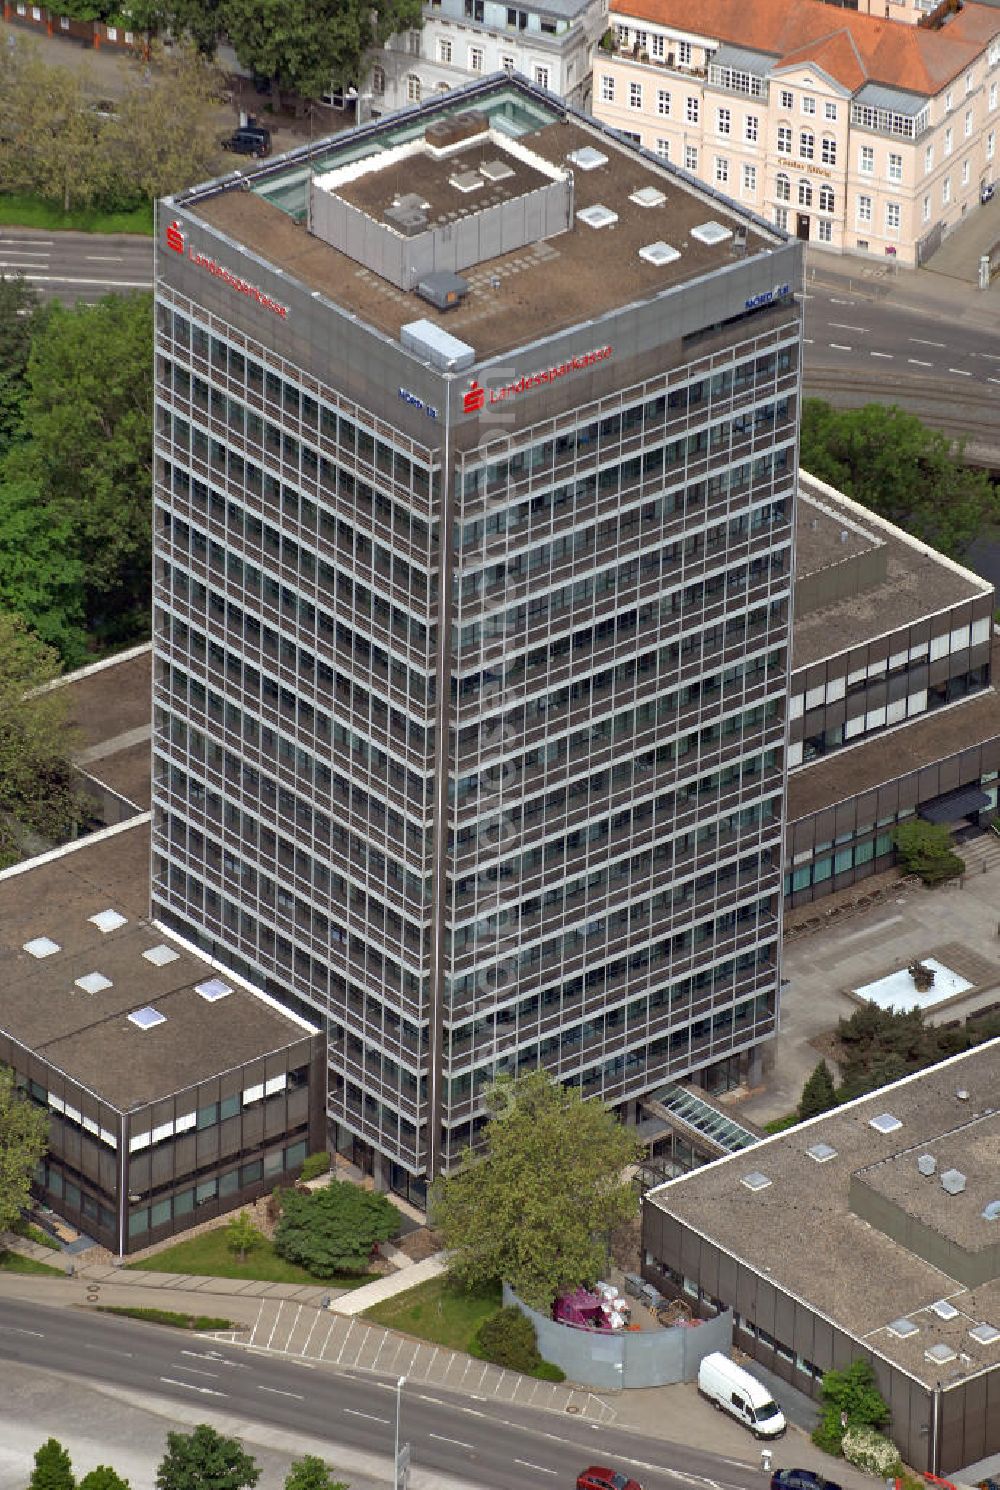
871	1232
862	134
175	1091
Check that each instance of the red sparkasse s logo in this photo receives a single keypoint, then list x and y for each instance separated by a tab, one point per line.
175	238
474	399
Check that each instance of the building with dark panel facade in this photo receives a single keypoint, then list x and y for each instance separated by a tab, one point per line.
175	1092
873	1232
471	623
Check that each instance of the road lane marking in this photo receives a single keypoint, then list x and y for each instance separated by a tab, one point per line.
279	1393
540	1467
192	1386
808	340
197	1371
356	1414
836	346
917	363
881	354
920	342
993	380
840	302
11	1330
105	258
961	371
109	1350
459	1443
840	326
68	279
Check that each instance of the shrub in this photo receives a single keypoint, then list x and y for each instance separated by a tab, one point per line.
925	849
828	1434
508	1339
870	1451
549	1371
818	1094
315	1165
334	1230
854	1392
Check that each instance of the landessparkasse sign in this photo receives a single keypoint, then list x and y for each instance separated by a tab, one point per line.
476	397
177	241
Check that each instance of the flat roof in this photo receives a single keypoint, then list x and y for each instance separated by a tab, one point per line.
867	1280
109	707
88	1035
518	297
918	581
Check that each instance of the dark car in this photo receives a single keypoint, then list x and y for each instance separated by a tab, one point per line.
249	139
987	192
598	1477
800	1479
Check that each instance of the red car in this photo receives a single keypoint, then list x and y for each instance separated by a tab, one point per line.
598	1477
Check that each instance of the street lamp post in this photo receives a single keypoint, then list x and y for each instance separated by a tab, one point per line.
398	1480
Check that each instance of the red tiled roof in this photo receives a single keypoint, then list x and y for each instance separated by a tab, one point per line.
852	48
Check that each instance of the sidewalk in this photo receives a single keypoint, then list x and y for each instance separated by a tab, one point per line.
359	1299
920	291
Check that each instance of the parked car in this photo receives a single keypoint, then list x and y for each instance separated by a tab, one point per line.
249	139
987	192
597	1477
800	1479
731	1389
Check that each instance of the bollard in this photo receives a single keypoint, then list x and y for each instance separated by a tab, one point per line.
765	1461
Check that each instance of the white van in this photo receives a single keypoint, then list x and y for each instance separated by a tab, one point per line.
731	1389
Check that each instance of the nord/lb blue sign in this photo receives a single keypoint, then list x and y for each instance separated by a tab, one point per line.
767	297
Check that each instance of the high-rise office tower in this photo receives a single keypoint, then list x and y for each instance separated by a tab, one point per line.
475	472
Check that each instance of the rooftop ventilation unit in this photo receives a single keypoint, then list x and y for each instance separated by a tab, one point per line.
962	1094
496	170
927	1164
884	1123
161	955
444	133
467	181
821	1152
443	289
147	1018
755	1180
991	1212
939	1355
41	946
985	1334
597	216
92	982
213	990
944	1310
659	254
406	220
711	233
428	342
953	1181
648	196
587	159
903	1328
109	920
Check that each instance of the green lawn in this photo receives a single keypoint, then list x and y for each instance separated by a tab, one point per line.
778	1125
13	1262
31	212
209	1255
168	1316
34	1233
439	1312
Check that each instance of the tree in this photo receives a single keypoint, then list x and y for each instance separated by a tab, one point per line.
891	462
39	791
310	1473
205	1460
41	578
53	1469
197	19
242	1235
165	137
309	46
23	1136
333	1230
103	1478
18	313
50	130
851	1399
508	1339
925	849
818	1094
84	449
536	1208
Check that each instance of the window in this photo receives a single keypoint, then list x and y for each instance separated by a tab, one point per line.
691	111
663	103
926	210
966	168
949	101
928	159
444	49
721	170
807	145
542	77
750	129
830	111
663	149
805	194
991	144
607	89
507	63
691	159
828	151
808	104
895	166
864	209
378	81
781	218
635	95
948	142
724	121
786	99
783	187
684	53
784	139
825	230
968	123
826	199
970	79
413	88
656	47
866	160
475	59
892	217
474	9
749	181
993	96
946	191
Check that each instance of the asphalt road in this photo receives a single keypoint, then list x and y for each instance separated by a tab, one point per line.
473	1442
77	266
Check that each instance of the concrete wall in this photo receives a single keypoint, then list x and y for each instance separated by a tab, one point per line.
646	1358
